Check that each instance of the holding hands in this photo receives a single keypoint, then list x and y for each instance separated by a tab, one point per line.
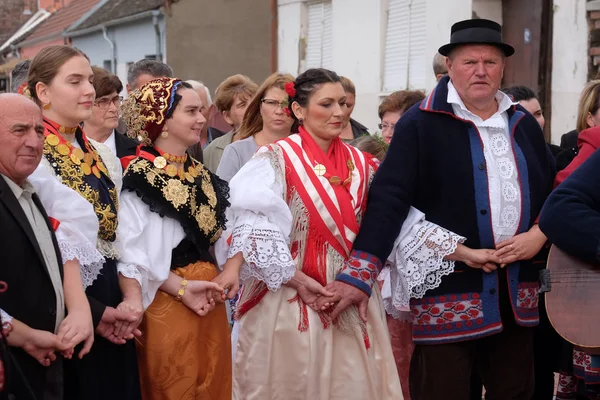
200	296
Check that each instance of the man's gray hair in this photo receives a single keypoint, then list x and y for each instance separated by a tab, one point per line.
155	68
439	65
198	85
18	75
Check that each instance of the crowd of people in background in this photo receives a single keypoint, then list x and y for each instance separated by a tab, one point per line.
150	255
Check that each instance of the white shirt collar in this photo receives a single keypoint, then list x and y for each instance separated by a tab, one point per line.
504	103
16	189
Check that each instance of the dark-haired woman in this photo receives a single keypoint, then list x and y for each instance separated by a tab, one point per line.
102	125
295	212
173	210
60	81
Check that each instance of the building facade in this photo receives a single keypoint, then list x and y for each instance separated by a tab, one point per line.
210	40
388	45
120	33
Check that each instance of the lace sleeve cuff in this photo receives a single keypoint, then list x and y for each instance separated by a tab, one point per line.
6	322
360	271
418	265
131	271
90	259
266	254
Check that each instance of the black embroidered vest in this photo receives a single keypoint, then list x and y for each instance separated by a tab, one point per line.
196	199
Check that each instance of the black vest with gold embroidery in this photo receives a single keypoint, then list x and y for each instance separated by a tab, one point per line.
197	200
83	171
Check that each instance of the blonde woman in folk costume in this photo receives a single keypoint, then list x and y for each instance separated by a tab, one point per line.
60	81
173	210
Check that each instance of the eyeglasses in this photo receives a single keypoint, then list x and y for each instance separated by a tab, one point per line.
386	126
105	102
274	104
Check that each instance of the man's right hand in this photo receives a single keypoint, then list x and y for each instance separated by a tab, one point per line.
106	327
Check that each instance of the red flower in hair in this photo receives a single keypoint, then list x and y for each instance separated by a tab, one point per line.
287	112
290	89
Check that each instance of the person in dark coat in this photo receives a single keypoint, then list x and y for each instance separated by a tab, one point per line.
475	164
32	269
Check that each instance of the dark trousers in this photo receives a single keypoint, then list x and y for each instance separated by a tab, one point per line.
503	361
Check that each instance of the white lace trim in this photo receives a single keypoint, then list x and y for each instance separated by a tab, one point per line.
266	254
5	317
420	266
107	249
90	259
133	272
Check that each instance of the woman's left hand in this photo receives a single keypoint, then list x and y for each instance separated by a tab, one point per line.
523	246
77	327
124	329
229	280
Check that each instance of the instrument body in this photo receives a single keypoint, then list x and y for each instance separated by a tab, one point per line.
573	303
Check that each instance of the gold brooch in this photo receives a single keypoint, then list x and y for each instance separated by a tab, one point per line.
160	162
320	169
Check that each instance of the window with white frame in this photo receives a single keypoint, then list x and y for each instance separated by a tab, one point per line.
319	35
405	64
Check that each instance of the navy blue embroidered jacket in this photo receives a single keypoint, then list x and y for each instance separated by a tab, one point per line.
436	164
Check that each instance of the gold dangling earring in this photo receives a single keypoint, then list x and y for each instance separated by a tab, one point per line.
46	106
164	134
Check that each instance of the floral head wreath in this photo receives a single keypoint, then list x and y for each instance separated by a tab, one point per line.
145	110
290	89
24	90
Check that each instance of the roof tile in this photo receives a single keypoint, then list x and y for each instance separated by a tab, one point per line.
115	9
62	19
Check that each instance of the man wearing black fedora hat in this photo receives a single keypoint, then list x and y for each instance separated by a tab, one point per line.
476	164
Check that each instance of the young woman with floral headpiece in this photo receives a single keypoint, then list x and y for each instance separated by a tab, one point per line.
60	81
173	210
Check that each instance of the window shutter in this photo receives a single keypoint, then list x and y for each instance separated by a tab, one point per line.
319	38
395	76
418	66
327	47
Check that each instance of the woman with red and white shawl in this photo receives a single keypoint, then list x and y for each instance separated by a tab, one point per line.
295	210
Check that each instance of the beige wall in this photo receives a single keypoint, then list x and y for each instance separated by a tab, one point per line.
209	40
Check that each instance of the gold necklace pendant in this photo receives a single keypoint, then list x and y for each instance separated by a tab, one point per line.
175	159
189	177
63	149
171	170
350	165
70	131
335	180
77	152
52	140
192	171
76	160
86	168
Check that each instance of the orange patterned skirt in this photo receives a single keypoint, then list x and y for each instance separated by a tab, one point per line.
181	355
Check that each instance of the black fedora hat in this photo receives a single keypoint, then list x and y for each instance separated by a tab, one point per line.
476	31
